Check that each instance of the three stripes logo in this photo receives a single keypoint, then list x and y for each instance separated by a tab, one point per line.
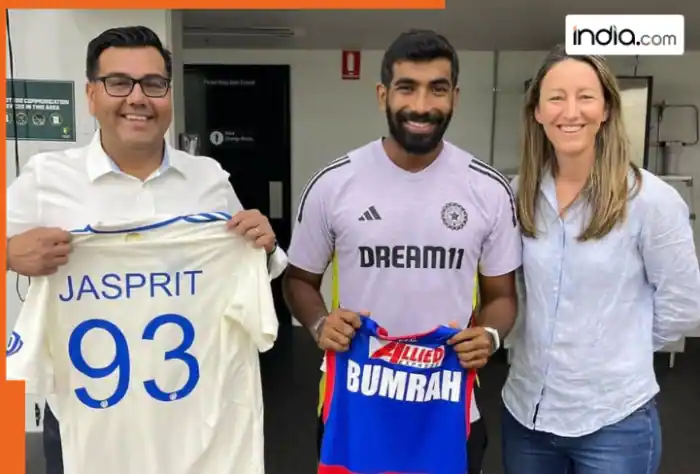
370	214
14	345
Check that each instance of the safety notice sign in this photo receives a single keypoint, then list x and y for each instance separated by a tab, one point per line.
40	110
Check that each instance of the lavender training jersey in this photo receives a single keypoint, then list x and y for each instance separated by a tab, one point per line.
407	245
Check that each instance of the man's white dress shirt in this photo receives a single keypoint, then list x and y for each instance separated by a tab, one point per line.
79	186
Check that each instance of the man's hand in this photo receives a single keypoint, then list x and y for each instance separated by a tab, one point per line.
255	227
39	251
338	330
474	346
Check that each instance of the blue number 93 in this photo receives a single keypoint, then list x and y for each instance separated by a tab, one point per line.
121	362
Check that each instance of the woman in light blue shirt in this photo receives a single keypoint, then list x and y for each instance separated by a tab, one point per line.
610	275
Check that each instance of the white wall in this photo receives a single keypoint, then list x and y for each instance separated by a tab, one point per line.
331	116
51	45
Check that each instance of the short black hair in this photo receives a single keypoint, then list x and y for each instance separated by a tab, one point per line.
418	46
124	37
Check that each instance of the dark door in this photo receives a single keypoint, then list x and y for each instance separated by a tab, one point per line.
241	115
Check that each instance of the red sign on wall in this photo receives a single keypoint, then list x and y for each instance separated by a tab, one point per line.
351	65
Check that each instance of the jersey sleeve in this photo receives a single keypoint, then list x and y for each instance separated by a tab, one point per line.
277	262
252	305
28	350
502	250
311	247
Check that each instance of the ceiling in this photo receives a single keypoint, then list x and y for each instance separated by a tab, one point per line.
496	24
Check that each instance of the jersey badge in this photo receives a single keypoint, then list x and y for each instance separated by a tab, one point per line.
454	216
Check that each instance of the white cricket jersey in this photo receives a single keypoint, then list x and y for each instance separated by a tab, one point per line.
148	340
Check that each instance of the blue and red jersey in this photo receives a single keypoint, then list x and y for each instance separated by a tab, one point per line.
396	405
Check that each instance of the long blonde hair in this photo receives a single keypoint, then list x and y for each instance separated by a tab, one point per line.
607	190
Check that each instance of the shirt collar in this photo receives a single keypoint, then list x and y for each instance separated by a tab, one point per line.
547	179
100	164
548	187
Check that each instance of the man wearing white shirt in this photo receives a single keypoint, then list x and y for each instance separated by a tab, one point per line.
127	172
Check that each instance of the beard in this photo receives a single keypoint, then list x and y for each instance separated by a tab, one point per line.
417	143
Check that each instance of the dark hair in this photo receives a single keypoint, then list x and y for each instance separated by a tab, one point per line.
418	46
124	37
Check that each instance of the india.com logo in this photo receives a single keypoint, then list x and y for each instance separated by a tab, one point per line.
625	34
614	36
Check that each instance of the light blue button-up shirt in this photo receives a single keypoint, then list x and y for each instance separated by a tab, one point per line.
596	311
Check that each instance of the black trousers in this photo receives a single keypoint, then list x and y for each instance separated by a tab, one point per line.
476	444
52	443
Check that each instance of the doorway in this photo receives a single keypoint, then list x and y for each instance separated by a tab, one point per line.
241	115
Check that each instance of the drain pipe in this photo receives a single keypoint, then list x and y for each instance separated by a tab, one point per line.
494	106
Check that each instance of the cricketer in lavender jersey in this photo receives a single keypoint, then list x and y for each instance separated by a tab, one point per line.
407	222
427	245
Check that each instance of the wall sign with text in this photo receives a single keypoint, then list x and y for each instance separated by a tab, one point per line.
40	110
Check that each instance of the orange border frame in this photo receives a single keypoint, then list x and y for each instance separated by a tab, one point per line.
12	397
235	5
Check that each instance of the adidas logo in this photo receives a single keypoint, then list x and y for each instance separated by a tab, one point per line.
370	214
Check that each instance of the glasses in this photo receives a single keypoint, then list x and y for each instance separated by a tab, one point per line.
122	86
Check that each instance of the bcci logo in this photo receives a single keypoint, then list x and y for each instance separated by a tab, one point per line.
454	216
